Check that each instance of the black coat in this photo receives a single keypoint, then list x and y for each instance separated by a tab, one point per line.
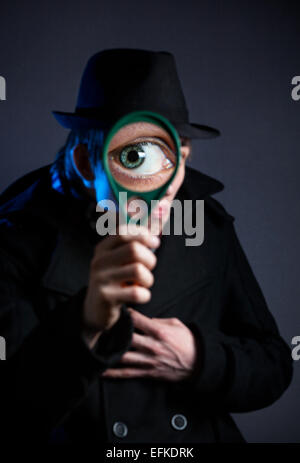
51	387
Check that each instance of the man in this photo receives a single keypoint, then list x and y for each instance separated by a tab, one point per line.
92	359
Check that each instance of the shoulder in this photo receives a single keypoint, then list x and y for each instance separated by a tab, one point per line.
24	192
33	200
216	209
25	224
35	215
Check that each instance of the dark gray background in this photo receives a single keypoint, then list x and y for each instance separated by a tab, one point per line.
236	60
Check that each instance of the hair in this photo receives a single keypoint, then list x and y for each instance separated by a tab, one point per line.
64	175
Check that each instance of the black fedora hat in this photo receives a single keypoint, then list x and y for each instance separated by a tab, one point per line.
121	80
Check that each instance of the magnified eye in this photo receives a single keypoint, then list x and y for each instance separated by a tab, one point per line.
144	164
146	158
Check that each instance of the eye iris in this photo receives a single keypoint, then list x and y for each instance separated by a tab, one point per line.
132	157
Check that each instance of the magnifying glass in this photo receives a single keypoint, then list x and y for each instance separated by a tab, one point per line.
141	156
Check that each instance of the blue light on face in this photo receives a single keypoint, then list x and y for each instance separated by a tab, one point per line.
102	187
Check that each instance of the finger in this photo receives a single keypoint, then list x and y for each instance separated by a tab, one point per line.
126	254
167	321
144	323
135	294
145	344
129	372
136	272
138	358
127	234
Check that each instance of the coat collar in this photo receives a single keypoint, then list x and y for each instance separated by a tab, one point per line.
197	185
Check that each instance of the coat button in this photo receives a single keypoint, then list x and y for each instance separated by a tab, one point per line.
120	429
179	422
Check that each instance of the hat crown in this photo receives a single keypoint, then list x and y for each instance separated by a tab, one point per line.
118	81
121	80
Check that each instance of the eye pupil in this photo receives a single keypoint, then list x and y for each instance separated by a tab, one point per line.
133	156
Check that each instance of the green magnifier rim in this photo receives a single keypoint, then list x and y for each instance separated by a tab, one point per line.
130	118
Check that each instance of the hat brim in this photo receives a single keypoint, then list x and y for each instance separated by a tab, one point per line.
76	122
196	131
